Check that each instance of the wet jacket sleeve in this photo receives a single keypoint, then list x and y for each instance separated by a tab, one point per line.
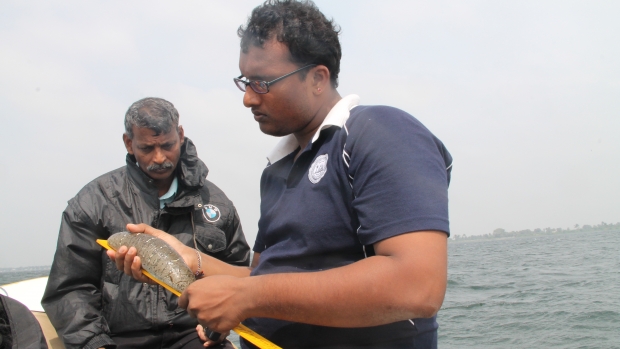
237	251
72	299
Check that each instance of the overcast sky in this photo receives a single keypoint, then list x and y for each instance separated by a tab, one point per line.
524	94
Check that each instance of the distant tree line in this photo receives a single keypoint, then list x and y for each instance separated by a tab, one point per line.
502	233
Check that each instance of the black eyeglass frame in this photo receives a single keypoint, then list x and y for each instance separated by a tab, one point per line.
253	83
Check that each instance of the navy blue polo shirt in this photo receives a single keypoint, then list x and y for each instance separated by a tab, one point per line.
370	173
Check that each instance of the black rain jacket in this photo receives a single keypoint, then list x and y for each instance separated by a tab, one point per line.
19	329
87	298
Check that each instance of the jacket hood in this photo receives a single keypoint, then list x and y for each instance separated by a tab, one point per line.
191	171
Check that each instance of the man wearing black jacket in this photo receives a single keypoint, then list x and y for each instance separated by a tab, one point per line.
91	303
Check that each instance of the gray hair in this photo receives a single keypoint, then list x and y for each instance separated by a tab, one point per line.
153	113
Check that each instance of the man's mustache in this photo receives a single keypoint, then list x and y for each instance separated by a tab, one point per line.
158	167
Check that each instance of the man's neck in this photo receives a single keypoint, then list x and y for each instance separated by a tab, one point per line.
163	185
303	138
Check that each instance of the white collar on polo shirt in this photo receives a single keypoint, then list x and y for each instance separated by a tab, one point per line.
337	116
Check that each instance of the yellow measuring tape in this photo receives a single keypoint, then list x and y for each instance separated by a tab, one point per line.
241	329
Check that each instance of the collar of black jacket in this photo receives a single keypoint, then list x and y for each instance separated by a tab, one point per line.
190	171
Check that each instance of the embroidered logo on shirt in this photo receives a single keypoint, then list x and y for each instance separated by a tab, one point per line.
211	213
318	169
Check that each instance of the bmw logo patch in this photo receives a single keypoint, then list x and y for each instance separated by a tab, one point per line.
211	213
318	169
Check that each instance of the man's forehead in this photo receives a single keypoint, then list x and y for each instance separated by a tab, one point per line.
148	134
266	60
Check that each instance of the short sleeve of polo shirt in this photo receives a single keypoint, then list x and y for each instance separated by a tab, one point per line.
259	245
399	174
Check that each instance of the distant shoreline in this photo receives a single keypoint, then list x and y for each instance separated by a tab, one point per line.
29	268
501	234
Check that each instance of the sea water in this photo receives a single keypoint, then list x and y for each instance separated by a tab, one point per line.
551	291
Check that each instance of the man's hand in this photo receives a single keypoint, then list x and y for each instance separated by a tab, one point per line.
207	342
218	302
127	261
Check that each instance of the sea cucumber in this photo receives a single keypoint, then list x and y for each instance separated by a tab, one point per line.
157	257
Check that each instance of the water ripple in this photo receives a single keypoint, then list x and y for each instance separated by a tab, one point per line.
543	292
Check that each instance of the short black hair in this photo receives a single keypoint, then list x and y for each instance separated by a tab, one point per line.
309	35
153	113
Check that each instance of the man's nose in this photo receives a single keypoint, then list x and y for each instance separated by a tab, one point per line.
250	98
159	156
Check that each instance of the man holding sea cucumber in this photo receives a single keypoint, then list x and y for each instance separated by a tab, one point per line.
90	303
351	250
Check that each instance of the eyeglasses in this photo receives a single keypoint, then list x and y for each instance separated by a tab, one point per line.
262	87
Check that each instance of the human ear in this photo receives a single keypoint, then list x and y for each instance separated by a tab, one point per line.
128	142
320	79
181	134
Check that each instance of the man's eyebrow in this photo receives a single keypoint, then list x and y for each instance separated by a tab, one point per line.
254	77
147	144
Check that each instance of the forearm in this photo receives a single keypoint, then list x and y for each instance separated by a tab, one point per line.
213	266
345	297
374	291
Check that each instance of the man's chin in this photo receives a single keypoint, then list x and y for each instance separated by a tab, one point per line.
264	128
160	176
